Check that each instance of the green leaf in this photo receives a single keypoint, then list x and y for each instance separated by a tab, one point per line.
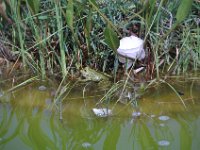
70	14
43	17
88	26
93	2
34	5
183	10
111	38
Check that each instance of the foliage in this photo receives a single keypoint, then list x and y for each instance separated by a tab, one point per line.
52	36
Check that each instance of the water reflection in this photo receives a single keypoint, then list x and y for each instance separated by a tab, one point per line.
27	122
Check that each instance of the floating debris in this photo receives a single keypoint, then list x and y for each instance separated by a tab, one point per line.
163	118
163	143
86	145
42	88
102	112
130	49
136	114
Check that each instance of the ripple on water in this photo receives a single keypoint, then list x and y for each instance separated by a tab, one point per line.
86	145
163	118
163	143
162	124
42	88
48	101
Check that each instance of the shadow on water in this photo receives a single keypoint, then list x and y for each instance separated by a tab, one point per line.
28	122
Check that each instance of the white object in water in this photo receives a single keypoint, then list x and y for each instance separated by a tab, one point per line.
42	88
163	118
163	143
130	48
136	114
86	145
102	112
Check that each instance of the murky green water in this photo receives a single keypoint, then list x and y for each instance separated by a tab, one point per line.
28	122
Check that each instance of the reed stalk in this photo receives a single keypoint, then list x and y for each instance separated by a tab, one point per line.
59	23
19	34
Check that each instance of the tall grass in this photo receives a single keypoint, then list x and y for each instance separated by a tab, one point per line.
53	37
59	23
88	33
18	33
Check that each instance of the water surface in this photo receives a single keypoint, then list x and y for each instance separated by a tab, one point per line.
28	120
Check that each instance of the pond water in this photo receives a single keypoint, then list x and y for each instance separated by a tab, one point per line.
160	121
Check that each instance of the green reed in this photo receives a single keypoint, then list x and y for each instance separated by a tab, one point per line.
97	29
73	34
59	23
18	32
40	66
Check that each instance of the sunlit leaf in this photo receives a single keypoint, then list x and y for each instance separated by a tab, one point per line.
34	5
70	14
111	38
88	29
93	2
88	23
183	10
